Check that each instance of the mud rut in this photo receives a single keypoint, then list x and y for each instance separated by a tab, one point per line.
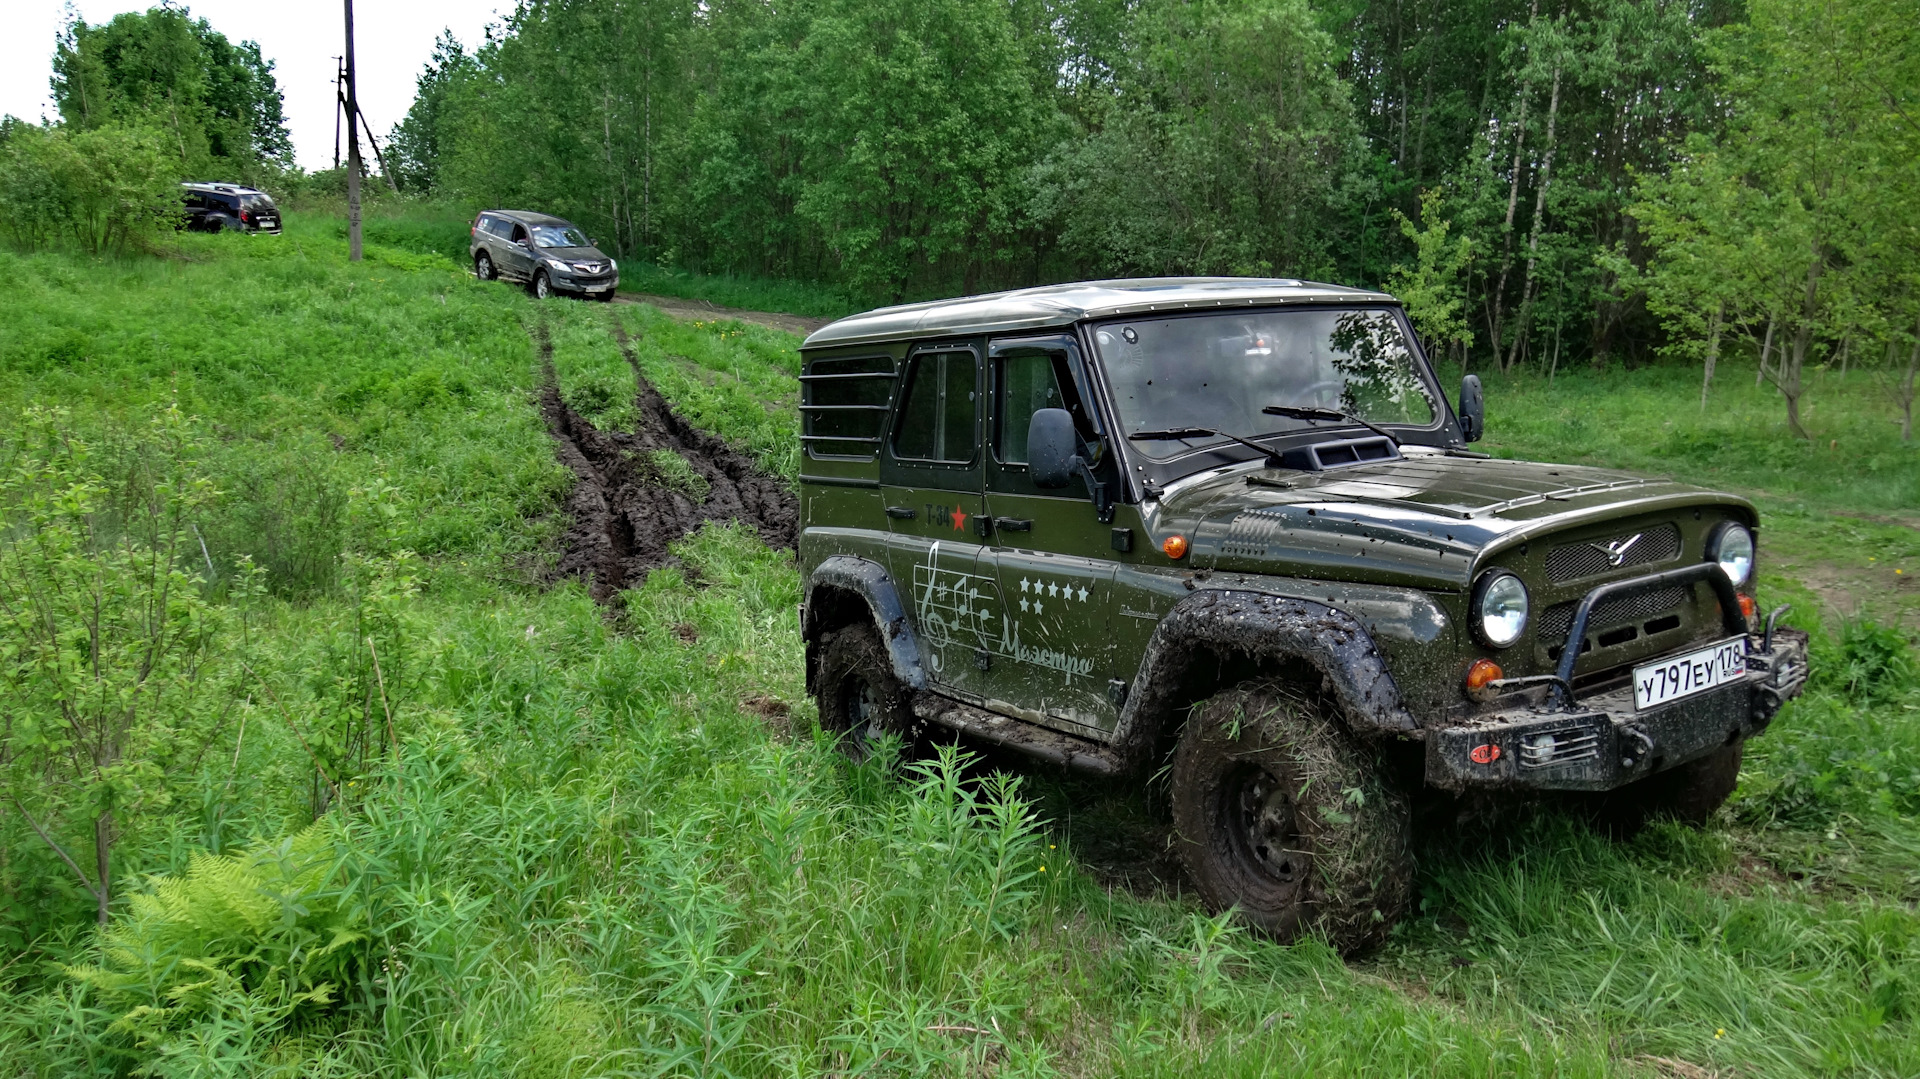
624	514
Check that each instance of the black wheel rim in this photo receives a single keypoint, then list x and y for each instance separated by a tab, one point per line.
1263	825
860	719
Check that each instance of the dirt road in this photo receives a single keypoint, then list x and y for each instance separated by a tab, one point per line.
701	309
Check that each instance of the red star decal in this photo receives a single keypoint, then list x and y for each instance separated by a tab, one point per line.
960	518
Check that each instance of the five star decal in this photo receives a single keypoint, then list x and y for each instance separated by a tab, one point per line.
1037	587
960	516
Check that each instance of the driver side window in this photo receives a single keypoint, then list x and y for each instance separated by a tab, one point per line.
519	234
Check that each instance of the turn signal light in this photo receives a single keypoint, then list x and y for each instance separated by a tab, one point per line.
1175	547
1482	672
1746	605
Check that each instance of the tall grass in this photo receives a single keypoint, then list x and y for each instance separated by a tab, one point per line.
619	849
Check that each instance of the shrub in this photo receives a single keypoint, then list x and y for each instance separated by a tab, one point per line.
102	190
267	937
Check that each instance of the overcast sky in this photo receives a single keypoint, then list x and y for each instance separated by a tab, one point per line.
301	37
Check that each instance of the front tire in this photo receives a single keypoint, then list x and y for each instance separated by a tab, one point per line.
540	287
860	699
483	267
1689	793
1280	814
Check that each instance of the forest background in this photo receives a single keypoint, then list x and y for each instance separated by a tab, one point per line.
1569	182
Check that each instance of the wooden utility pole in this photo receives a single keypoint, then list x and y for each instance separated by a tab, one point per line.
353	151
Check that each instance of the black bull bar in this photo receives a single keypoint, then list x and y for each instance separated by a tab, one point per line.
1554	741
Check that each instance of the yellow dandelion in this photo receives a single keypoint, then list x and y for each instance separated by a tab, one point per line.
1721	1033
1043	869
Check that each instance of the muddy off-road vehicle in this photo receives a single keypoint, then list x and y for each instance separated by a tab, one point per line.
1228	531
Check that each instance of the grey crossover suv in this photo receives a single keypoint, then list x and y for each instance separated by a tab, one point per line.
548	254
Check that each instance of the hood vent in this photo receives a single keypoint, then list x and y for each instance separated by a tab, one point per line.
1349	451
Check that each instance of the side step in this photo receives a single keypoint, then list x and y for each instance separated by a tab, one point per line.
1074	754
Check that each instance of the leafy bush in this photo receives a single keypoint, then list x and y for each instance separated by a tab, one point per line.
114	665
102	190
1870	663
268	935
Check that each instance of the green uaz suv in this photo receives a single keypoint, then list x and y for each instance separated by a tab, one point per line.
1231	528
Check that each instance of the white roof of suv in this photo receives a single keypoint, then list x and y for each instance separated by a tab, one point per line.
1062	305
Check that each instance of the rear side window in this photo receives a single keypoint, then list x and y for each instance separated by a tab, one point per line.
939	410
844	405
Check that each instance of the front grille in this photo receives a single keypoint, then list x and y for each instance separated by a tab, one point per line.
1576	561
1556	621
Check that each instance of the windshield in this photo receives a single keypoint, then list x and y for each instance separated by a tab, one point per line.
558	236
1219	371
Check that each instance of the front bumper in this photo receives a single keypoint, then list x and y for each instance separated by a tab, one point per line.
1603	742
579	282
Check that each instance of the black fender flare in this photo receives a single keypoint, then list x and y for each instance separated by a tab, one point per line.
1258	625
870	581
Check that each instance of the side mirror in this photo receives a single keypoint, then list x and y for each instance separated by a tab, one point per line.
1053	449
1053	457
1473	408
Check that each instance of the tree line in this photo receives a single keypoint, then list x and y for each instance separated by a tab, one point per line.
1548	181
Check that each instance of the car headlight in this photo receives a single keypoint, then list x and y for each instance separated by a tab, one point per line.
1732	547
613	265
558	265
1500	608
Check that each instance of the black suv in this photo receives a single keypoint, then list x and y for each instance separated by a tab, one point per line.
229	208
548	254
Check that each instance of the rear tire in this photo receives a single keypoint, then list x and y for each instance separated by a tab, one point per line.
1281	815
483	267
1689	793
860	699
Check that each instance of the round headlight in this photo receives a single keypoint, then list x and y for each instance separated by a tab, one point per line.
1500	608
1732	547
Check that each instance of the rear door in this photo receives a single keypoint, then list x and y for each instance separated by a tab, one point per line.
930	482
1050	551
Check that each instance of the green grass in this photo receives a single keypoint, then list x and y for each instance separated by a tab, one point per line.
592	856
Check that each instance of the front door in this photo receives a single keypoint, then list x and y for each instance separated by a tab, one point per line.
514	257
1053	654
930	480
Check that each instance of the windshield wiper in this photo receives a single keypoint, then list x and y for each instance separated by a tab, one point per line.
1180	434
1311	413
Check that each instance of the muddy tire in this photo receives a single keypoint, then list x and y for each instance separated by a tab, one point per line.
483	267
1688	793
860	699
1279	813
604	297
540	287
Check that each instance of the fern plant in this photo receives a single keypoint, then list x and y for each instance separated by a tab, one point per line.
271	928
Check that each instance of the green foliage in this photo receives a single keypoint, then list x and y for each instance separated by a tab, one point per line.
1432	287
241	943
674	471
116	667
217	102
102	190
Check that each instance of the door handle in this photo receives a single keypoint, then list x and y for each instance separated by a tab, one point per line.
1013	524
900	513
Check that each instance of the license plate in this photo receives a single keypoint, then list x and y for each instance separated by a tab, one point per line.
1683	676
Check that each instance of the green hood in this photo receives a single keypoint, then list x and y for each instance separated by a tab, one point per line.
1426	520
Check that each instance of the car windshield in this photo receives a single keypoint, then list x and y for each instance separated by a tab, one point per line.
558	236
1219	370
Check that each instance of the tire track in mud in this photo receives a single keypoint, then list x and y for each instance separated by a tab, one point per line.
628	503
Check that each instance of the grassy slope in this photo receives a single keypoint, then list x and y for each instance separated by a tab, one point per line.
597	861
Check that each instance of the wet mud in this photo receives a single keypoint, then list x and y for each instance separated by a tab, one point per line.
631	500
